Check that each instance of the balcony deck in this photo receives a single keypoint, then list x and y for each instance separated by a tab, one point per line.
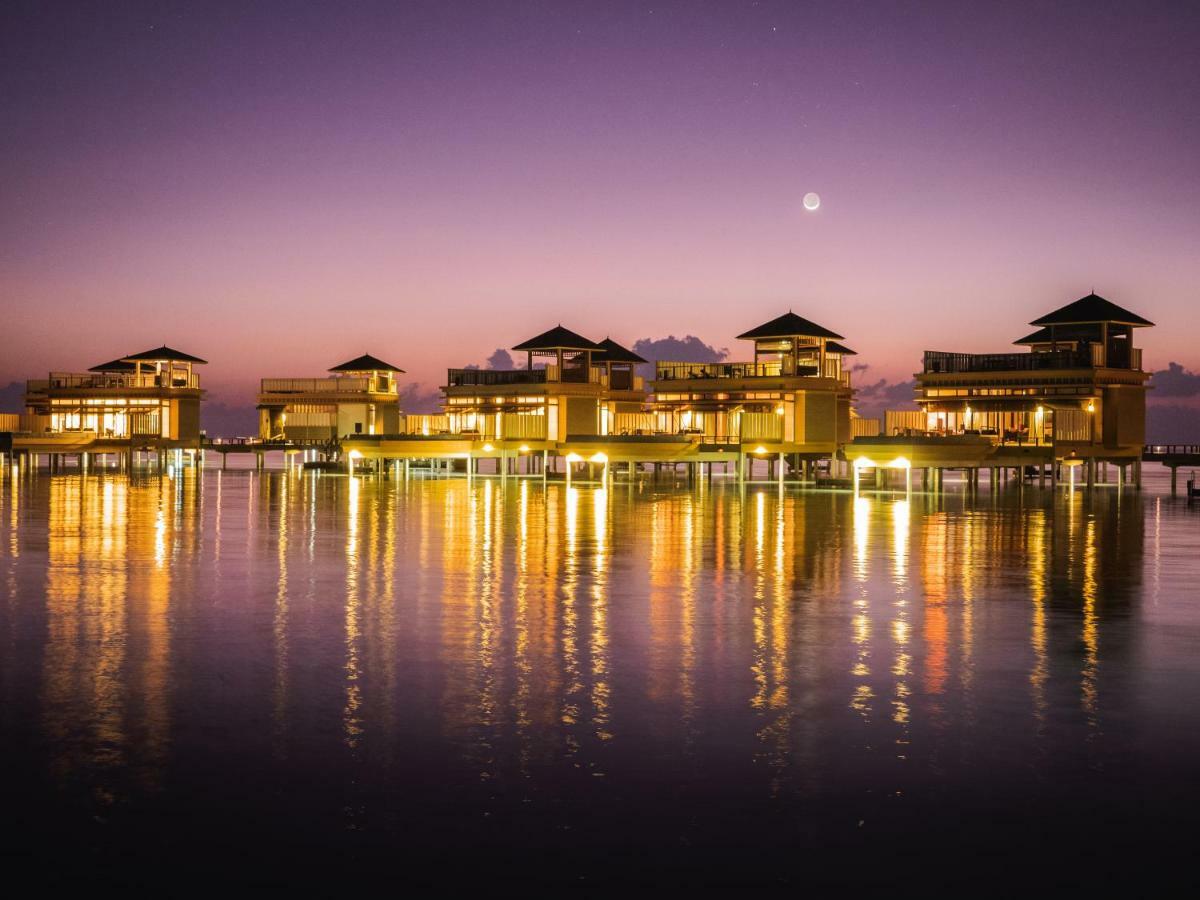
69	381
938	362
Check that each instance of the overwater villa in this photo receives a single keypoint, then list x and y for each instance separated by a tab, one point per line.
143	403
1077	396
792	399
584	402
361	396
569	386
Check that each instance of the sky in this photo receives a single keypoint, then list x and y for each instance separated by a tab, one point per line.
280	186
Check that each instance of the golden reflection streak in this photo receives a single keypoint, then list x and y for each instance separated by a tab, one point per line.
862	697
689	564
570	712
935	565
1036	556
776	733
488	610
352	726
1090	630
902	661
522	663
759	665
280	620
599	632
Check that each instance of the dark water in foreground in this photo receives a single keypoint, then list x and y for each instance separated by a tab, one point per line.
308	679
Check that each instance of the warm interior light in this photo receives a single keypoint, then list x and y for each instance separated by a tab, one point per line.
598	457
1091	407
488	448
760	449
524	448
356	454
779	410
574	458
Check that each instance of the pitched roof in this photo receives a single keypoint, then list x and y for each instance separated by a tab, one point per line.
557	338
366	363
1092	308
835	347
116	365
164	354
788	325
1089	331
611	351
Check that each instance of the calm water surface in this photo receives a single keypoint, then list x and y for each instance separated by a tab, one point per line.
313	676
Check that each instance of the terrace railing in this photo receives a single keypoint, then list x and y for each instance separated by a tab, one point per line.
343	385
681	371
91	380
495	377
940	363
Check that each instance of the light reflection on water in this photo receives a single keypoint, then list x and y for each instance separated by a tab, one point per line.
521	653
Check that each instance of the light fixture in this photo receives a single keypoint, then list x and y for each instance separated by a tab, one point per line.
598	457
1091	407
488	448
524	448
760	449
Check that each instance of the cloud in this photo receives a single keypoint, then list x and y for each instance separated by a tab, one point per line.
872	399
501	359
1175	381
12	398
416	398
673	349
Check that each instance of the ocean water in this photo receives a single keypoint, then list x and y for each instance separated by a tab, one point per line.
307	679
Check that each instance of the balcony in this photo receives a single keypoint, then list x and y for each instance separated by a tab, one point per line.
495	377
686	371
117	380
342	385
939	363
1087	356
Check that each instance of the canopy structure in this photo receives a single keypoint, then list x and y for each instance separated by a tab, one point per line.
366	363
788	325
840	349
115	365
164	354
1092	309
557	338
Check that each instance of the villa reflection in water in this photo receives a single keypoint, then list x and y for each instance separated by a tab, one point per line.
521	629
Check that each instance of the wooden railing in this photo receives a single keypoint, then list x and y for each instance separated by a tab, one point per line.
496	377
344	385
940	363
93	380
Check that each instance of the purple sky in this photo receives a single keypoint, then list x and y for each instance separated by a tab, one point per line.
278	189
